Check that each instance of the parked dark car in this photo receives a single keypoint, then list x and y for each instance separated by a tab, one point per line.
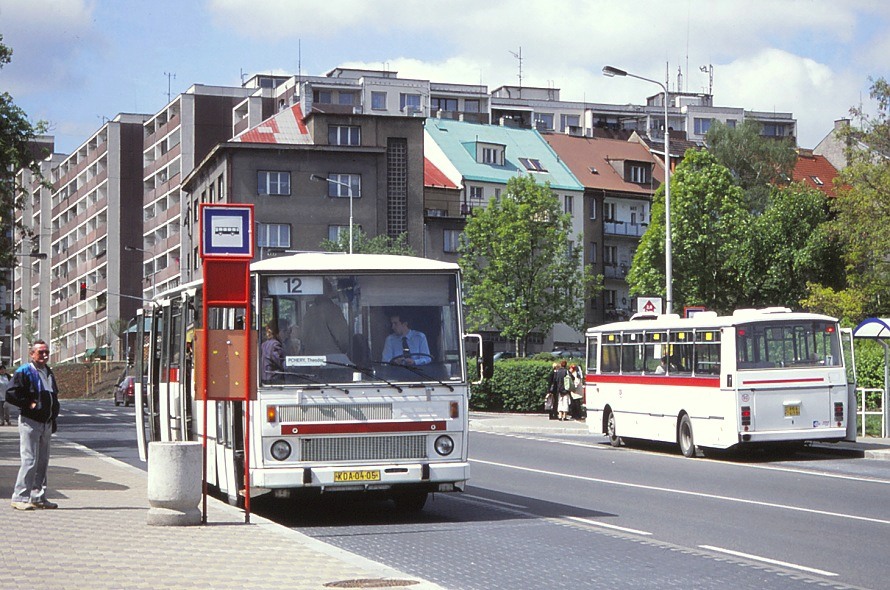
125	392
504	355
566	353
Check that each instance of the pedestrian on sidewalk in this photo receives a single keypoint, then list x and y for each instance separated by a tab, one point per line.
33	389
577	392
4	407
565	384
552	393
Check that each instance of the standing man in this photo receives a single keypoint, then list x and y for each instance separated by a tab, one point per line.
405	346
4	407
34	391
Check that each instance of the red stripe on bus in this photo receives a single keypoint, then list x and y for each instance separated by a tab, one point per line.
763	381
362	427
656	380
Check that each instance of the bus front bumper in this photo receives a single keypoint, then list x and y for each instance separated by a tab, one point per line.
436	476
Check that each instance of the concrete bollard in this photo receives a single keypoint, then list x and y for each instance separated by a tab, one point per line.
174	483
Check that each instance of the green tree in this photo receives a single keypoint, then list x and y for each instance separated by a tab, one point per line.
520	273
789	247
709	223
362	244
862	211
17	152
756	162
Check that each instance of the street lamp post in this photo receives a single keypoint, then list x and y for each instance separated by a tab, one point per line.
668	264
348	186
154	272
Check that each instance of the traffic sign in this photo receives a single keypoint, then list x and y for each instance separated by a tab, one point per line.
649	305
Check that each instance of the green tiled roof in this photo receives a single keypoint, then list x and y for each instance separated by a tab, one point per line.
458	139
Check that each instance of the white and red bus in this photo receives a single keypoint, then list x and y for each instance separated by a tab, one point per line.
334	415
755	377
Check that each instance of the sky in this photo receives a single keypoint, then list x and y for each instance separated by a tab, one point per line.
78	63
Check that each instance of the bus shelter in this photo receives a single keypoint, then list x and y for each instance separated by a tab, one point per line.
879	329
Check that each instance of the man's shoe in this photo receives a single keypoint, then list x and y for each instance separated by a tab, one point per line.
23	506
45	505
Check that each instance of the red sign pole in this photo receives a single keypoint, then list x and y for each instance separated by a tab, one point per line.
226	251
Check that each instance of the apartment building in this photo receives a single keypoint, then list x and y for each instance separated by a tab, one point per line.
93	213
366	166
174	140
619	175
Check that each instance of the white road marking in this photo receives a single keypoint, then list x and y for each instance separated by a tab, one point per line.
802	568
489	500
688	493
599	446
607	526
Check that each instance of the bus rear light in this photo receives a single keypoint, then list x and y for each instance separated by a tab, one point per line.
271	413
455	410
839	412
746	416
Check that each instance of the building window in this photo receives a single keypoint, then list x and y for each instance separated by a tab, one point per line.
544	121
569	204
638	174
273	235
451	240
409	102
493	155
378	101
471	105
532	165
477	195
566	121
593	208
443	104
609	210
610	255
335	231
322	96
344	135
702	126
609	295
340	184
591	253
273	183
346	98
731	123
220	194
773	130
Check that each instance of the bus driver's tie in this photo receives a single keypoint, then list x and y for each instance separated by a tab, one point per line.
405	350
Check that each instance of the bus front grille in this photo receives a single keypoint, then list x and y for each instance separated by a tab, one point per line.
363	448
335	413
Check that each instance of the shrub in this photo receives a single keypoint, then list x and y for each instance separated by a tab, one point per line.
518	385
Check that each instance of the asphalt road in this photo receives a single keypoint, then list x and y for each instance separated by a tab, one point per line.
563	511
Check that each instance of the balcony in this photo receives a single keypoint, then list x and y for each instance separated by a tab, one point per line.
623	228
615	271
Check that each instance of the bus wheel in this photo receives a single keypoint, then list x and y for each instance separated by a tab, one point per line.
410	501
684	436
614	439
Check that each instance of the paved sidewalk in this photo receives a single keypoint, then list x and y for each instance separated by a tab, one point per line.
98	538
868	448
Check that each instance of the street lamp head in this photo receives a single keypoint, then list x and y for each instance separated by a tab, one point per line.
317	178
612	72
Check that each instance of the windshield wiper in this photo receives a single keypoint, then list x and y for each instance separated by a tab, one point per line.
416	371
364	371
307	377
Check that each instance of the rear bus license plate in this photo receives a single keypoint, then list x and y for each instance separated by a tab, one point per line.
792	411
344	476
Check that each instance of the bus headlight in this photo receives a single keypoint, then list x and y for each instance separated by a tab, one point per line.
280	450
444	445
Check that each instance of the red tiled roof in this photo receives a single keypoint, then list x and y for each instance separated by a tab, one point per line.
816	172
286	127
432	176
589	160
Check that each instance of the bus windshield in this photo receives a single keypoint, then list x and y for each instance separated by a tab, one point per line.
780	344
316	329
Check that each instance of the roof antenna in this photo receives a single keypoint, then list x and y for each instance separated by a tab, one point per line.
519	57
170	76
